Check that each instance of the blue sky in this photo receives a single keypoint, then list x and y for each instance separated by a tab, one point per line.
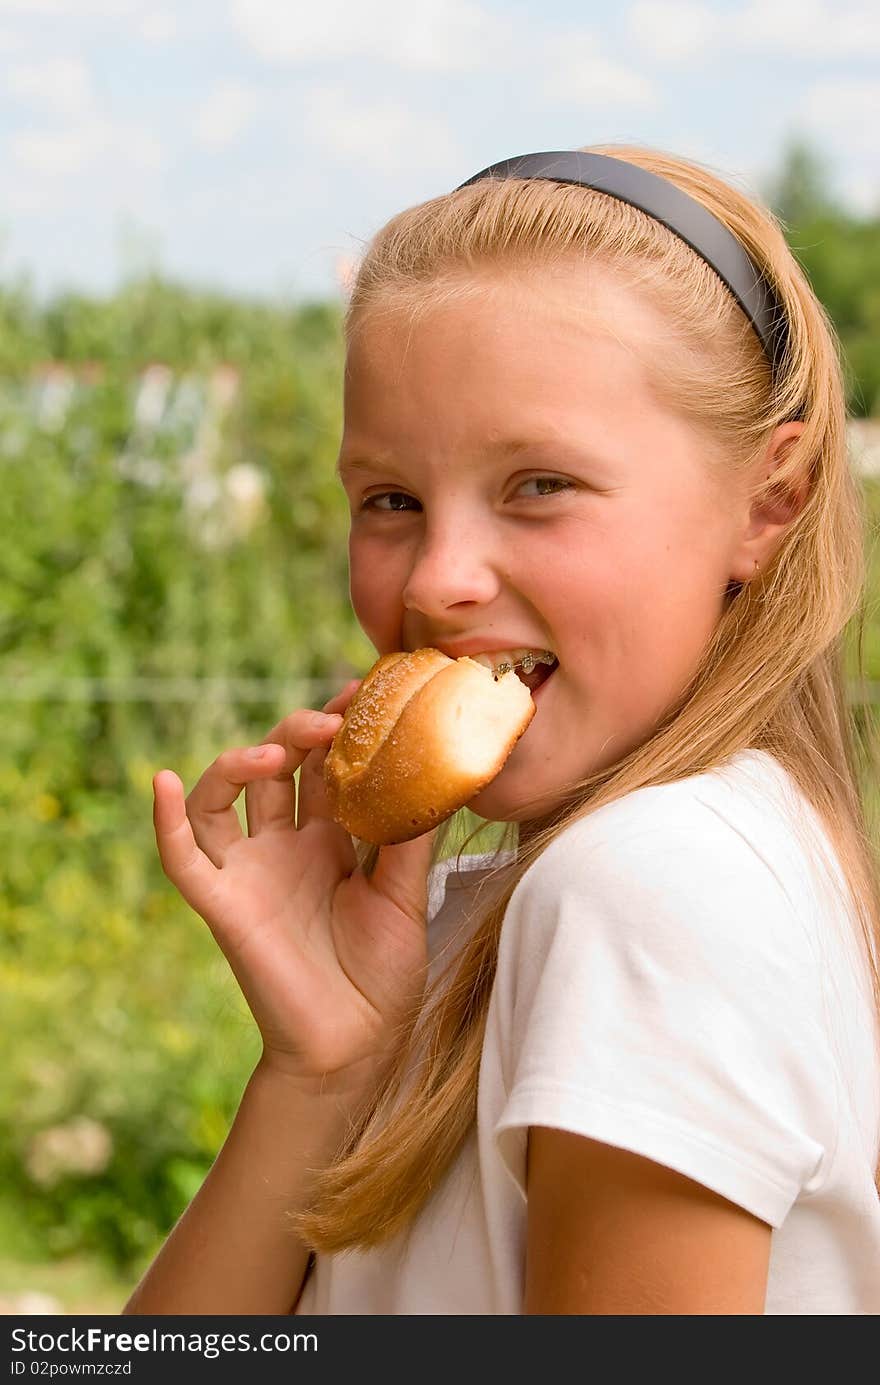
253	145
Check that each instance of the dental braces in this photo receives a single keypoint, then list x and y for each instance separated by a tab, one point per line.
526	663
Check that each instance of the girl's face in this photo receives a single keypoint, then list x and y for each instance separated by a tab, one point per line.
514	483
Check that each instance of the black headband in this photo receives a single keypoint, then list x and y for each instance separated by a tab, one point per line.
662	200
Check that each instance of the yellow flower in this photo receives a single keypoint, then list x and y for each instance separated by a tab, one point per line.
174	1038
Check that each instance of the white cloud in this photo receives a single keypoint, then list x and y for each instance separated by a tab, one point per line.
844	114
681	31
157	26
77	139
56	153
89	178
59	86
433	35
225	114
70	9
143	18
674	30
809	28
63	153
564	64
444	36
577	71
385	136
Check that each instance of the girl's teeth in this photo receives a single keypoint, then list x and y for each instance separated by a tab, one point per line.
506	660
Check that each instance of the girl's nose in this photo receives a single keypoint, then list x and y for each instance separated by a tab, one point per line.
448	570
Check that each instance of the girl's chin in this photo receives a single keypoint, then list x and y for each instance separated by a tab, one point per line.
506	800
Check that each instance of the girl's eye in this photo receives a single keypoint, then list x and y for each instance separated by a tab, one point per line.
371	502
394	497
547	480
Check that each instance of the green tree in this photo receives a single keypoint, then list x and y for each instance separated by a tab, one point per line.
801	189
840	253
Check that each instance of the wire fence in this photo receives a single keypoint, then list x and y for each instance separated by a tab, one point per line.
171	689
302	691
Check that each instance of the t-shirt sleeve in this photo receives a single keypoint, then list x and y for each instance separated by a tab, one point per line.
660	994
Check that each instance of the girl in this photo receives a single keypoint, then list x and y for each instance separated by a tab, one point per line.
631	1065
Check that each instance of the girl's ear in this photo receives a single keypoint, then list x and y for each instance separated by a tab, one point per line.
772	507
790	496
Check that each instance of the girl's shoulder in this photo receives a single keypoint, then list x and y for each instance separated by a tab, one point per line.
751	794
748	808
738	842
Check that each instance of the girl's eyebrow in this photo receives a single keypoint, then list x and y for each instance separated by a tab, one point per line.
499	447
345	465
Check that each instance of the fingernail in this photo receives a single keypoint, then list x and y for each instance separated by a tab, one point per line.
257	752
320	720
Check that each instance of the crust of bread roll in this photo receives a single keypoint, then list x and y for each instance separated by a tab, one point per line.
422	735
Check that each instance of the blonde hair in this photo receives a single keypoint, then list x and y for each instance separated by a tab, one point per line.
773	675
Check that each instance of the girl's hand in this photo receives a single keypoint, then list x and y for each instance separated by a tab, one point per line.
327	958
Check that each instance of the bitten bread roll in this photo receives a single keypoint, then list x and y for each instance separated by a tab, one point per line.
421	736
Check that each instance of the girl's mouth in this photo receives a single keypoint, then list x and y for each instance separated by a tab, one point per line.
537	676
531	666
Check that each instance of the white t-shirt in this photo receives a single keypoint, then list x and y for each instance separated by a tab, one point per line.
674	978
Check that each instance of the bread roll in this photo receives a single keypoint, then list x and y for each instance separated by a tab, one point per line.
421	736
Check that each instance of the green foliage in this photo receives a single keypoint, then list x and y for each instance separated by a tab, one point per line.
801	188
124	1013
840	254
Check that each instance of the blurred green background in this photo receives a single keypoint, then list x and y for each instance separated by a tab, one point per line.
173	580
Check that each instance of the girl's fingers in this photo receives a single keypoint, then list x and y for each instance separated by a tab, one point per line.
401	874
312	796
210	805
182	860
194	834
271	802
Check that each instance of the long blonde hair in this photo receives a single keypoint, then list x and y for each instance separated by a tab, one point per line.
773	675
